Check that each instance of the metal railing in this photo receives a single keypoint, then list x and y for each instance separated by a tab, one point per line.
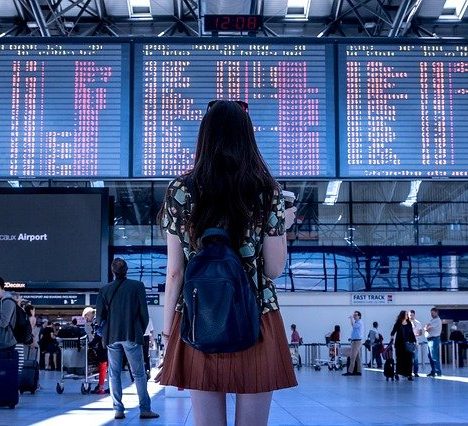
450	353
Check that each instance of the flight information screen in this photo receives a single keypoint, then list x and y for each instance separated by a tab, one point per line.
403	110
64	109
289	89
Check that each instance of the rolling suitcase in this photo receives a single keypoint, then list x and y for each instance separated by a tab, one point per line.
29	378
9	379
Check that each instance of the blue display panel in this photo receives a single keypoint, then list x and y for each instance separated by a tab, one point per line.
288	86
64	109
403	110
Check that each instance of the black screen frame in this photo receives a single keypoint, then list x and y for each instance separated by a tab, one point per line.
104	240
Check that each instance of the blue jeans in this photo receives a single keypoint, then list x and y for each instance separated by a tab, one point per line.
433	344
416	359
134	354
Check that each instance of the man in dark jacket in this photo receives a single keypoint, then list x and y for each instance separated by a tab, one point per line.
122	311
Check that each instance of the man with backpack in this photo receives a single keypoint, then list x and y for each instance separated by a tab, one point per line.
7	320
9	377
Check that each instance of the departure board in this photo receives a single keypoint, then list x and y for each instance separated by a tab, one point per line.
403	110
64	109
288	86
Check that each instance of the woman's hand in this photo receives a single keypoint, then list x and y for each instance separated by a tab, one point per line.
290	217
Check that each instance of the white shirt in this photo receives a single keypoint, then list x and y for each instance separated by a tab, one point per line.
435	327
418	331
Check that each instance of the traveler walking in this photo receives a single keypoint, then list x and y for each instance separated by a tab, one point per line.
122	312
376	345
432	331
405	344
229	187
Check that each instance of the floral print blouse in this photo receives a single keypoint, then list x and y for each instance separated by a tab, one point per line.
177	208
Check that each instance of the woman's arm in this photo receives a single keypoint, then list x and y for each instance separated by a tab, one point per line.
275	247
174	280
274	255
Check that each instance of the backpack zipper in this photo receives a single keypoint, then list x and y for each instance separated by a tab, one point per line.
194	303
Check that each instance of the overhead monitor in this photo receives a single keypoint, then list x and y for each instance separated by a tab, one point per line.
287	84
54	238
64	109
403	110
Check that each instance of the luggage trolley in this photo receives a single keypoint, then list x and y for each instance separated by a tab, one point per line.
74	363
295	355
336	357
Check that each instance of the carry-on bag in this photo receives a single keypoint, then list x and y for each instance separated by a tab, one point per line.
9	379
29	378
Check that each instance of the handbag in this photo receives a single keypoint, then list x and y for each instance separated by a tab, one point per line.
367	344
410	347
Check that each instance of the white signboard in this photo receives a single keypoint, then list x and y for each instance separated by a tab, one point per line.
372	298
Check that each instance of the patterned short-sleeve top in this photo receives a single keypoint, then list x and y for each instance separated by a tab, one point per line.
177	208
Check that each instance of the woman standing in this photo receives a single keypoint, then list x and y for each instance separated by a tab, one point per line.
404	343
229	187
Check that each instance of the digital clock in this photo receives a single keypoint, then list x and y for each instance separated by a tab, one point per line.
233	22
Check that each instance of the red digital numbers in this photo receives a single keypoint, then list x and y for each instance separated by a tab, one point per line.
232	22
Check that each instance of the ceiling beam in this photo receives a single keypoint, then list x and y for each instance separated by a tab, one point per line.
39	18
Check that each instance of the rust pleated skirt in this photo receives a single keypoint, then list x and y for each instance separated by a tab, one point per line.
264	367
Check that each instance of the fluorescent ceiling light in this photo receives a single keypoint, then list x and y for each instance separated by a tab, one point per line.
454	10
413	193
139	9
333	190
298	9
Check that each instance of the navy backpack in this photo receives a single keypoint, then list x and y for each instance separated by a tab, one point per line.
221	308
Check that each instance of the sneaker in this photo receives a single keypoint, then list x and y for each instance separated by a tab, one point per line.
149	415
416	375
438	374
348	374
119	415
431	375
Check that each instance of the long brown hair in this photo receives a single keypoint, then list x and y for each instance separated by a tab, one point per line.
229	175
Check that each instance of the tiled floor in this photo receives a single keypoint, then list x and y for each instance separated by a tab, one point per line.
322	398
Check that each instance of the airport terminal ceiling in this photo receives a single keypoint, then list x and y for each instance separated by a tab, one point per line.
291	18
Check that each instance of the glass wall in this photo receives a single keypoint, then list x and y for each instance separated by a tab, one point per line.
369	239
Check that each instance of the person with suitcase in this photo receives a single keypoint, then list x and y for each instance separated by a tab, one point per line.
8	354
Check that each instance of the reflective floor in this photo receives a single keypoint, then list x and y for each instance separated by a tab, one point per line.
322	398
